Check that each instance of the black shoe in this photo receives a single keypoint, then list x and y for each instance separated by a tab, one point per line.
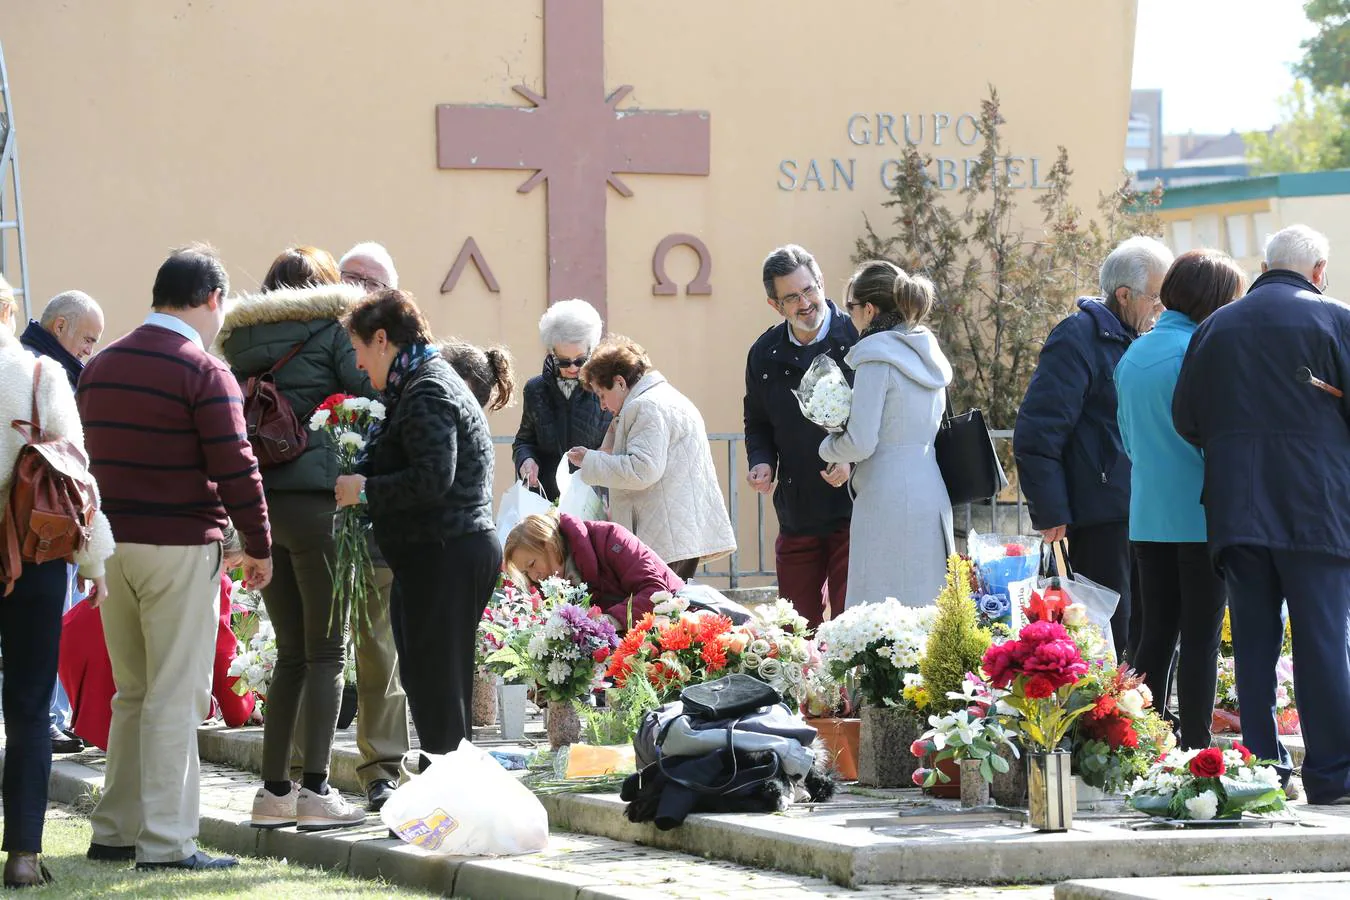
198	860
64	741
109	853
378	793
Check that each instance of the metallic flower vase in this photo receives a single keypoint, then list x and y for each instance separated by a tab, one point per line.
511	709
1050	795
974	789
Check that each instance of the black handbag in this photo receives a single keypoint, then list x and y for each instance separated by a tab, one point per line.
965	454
729	697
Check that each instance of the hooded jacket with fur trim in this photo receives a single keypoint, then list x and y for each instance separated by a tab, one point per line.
56	409
260	329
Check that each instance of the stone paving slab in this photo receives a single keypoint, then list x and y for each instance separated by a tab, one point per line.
574	867
1297	886
826	841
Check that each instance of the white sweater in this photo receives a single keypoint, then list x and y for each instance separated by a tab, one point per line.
56	408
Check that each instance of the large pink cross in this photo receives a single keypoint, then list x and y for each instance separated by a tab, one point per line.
576	139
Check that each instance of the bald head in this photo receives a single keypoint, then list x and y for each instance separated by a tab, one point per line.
76	321
370	266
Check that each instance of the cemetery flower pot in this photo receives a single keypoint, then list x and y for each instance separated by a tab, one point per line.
564	723
840	737
947	790
884	737
1010	788
974	789
484	700
511	707
1050	797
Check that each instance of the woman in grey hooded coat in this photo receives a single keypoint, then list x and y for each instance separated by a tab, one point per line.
902	518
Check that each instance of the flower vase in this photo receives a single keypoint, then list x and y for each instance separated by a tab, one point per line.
1010	788
1050	796
564	723
840	737
511	707
950	789
974	789
484	701
884	737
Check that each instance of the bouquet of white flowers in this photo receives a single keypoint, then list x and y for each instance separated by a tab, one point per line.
253	666
824	395
1208	784
883	641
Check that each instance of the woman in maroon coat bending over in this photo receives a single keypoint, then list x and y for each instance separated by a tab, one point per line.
621	571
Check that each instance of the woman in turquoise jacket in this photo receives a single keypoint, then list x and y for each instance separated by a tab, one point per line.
1182	596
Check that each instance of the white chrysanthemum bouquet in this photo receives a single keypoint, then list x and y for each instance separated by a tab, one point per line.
824	395
884	641
253	665
347	419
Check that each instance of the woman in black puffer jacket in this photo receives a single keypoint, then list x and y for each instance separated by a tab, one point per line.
427	485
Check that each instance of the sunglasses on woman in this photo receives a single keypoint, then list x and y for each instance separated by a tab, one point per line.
564	363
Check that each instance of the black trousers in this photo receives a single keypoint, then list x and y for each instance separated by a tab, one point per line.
1102	553
1181	597
438	597
30	639
1317	588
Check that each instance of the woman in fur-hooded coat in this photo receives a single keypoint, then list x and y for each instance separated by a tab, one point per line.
259	331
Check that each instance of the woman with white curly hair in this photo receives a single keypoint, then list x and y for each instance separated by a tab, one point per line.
559	413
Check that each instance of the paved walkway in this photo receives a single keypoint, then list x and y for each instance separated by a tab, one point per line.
574	867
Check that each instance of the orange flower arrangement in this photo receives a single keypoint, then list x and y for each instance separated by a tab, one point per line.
676	647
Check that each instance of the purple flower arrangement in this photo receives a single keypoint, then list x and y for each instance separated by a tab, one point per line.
567	655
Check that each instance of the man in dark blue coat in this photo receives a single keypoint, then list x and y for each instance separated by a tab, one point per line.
1070	459
1277	474
813	506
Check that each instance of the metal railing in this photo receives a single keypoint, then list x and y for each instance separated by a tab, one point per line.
734	460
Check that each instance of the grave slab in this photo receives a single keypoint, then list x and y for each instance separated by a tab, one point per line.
1294	886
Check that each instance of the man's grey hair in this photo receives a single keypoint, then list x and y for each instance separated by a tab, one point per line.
1133	264
72	306
369	250
1297	248
570	322
786	260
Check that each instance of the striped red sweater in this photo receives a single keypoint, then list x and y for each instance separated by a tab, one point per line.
164	427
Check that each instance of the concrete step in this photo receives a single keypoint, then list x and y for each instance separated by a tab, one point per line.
857	839
573	867
1297	886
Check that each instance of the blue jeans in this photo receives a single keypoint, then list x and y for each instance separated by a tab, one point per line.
60	711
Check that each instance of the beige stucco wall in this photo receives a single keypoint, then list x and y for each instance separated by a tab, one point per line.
256	124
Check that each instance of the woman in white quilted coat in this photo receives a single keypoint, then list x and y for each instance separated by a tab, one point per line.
30	616
659	469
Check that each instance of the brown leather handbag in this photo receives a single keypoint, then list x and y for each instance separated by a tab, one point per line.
51	509
274	430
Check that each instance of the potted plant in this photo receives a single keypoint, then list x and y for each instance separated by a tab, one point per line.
971	737
1042	671
881	646
955	646
565	658
1119	736
672	647
831	707
511	617
779	651
1207	785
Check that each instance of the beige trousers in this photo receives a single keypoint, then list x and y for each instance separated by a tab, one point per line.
381	704
159	622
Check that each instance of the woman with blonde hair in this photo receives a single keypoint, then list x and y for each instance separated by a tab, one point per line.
622	572
902	517
660	475
30	614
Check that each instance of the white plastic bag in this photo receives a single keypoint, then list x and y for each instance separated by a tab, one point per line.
580	499
517	503
466	804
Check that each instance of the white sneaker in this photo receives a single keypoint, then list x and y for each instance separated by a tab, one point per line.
271	811
318	812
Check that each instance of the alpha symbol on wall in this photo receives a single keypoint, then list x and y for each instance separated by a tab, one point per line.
576	139
700	285
470	252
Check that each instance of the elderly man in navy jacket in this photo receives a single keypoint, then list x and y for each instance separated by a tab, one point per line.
1072	464
813	506
1277	472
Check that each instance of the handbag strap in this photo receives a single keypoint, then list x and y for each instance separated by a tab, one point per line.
1059	552
37	382
758	773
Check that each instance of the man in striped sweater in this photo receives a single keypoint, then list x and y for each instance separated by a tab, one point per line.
164	427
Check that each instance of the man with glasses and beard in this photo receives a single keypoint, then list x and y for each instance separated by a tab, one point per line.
783	448
559	413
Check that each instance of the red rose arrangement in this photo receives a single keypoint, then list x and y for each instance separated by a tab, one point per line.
1041	670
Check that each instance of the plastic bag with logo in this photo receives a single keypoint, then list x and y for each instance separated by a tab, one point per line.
466	804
